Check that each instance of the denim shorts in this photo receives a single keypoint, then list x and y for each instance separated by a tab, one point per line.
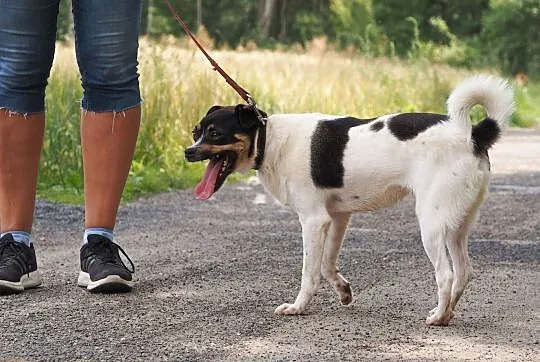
106	45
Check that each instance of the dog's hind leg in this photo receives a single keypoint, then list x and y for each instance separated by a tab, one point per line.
434	240
332	246
314	231
435	232
458	250
446	204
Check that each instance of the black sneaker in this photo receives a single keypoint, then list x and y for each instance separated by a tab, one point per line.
102	269
18	266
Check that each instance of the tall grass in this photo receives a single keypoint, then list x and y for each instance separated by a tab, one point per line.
178	86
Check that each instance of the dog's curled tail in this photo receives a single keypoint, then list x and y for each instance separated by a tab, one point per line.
495	95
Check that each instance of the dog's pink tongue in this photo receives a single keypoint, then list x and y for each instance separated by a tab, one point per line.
206	187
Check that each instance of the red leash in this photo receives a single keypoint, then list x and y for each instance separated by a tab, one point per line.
241	91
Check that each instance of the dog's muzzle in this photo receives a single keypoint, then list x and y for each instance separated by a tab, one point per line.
195	154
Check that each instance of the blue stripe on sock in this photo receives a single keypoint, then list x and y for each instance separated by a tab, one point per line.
20	237
108	233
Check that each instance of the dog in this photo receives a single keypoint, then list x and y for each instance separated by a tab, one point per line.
326	167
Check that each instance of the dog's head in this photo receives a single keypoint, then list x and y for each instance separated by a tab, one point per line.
225	137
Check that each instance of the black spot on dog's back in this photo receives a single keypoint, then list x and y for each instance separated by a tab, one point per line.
484	135
406	126
327	146
376	126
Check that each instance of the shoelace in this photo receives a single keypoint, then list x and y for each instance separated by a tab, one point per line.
110	256
12	250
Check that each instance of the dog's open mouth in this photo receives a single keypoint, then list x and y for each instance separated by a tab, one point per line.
219	167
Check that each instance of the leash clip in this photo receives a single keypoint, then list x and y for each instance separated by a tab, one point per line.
251	102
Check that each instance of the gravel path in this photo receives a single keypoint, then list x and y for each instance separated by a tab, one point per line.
211	273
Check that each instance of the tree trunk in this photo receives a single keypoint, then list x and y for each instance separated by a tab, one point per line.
199	15
149	17
266	17
283	20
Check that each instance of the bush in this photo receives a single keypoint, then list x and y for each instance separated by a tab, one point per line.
511	36
408	22
350	20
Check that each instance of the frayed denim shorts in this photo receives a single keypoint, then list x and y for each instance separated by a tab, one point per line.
106	45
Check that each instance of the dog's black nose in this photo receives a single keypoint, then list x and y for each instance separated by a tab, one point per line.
191	154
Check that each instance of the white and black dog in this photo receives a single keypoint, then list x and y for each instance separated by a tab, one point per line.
327	167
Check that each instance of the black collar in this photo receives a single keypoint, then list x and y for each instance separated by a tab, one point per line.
261	143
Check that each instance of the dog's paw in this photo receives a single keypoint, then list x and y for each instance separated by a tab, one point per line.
346	295
288	309
435	318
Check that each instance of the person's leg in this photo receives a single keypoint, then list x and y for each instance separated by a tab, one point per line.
106	34
27	35
21	137
108	142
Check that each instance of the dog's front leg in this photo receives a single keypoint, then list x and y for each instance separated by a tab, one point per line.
314	230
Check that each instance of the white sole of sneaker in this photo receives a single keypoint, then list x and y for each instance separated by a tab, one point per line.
110	284
27	281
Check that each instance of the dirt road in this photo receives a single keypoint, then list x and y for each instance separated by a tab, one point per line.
211	273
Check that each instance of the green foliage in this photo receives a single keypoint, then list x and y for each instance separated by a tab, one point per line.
394	16
61	162
351	16
528	105
350	20
463	18
308	26
157	19
64	23
500	33
511	36
305	21
229	22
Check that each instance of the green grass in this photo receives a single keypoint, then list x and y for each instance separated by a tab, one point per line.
528	105
178	86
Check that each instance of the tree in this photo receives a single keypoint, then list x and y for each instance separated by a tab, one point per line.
396	19
350	18
267	10
199	14
511	36
64	25
233	22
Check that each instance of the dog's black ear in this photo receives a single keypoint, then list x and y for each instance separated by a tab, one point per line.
246	116
213	109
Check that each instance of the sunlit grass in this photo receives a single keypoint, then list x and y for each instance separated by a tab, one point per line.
528	105
178	86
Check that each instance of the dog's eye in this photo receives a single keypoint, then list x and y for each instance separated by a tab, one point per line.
215	134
